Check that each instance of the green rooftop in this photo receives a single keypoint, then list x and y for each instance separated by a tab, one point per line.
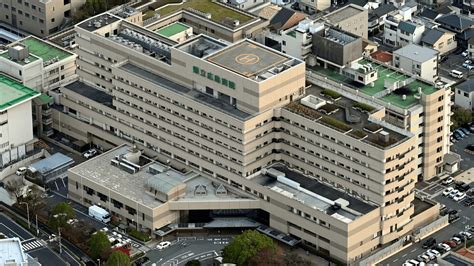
291	33
13	92
218	12
44	50
385	75
30	58
172	29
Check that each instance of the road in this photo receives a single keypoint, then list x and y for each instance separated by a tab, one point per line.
454	61
33	246
189	248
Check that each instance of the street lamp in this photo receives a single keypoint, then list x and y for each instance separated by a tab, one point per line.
59	231
98	260
27	212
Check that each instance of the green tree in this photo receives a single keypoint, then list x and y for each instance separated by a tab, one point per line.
118	258
193	263
98	244
461	117
60	214
246	246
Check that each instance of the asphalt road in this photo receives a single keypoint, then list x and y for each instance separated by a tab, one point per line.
190	248
454	61
41	252
467	160
466	215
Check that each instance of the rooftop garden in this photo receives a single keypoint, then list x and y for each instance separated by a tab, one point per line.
357	133
372	127
376	140
332	94
363	107
334	123
303	110
329	108
44	50
219	13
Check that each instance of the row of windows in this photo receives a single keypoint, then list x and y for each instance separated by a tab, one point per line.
33	7
214	77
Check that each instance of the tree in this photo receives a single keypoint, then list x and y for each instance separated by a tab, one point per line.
15	186
193	263
34	198
268	257
98	244
60	214
246	246
293	259
461	117
118	258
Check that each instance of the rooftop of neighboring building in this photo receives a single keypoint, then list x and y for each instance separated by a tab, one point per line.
51	163
344	13
421	205
11	251
429	14
13	92
456	21
431	36
386	77
416	52
219	13
309	191
384	9
346	116
90	92
98	22
466	86
461	257
128	172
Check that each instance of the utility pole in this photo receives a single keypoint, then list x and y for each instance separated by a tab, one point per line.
37	229
59	240
27	212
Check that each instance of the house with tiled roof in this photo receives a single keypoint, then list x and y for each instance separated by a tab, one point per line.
441	40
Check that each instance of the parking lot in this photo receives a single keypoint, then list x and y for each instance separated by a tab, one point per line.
467	160
453	62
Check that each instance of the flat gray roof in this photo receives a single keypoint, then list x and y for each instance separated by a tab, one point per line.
92	24
10	250
247	58
52	163
90	92
416	52
193	94
344	13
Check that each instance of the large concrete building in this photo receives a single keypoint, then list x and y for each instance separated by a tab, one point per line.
16	124
38	17
242	114
351	18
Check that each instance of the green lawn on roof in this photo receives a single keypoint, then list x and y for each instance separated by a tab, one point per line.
172	29
44	50
218	12
13	92
31	58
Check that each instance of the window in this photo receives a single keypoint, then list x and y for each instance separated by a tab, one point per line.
41	21
52	20
231	85
224	82
217	79
196	69
210	76
203	73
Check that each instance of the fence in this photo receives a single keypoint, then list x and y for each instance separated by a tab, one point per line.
380	255
430	228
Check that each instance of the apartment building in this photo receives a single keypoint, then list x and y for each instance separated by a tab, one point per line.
464	95
38	64
351	18
236	113
16	125
417	60
398	33
441	40
38	17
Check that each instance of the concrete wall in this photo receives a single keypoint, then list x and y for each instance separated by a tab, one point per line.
464	99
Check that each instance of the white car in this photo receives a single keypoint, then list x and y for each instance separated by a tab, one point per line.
90	153
21	171
457	240
435	252
465	54
453	193
444	246
468	66
447	191
469	62
460	196
423	258
163	245
467	234
448	181
430	255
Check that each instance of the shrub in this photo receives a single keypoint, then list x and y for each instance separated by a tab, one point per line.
331	93
335	123
364	107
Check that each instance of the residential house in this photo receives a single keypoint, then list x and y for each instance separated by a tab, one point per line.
418	60
430	14
377	17
464	95
461	25
441	40
312	6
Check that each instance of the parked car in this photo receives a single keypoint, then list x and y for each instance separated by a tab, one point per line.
423	258
453	193
468	66
464	187
460	196
457	136
90	153
448	181
429	243
163	245
460	132
447	191
469	202
466	234
430	255
470	149
435	252
450	243
465	131
444	246
465	53
142	261
471	127
457	240
21	171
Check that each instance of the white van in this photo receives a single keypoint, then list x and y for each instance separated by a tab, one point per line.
99	214
456	74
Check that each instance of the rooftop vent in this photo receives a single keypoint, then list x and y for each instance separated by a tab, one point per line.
200	190
221	190
384	136
18	52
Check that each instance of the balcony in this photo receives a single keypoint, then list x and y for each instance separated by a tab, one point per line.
47	121
46	112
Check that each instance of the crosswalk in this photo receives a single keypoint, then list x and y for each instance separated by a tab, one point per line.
27	246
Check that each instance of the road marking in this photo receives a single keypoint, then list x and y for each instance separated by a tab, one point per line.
404	255
395	260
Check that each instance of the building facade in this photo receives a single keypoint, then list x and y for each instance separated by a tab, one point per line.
441	40
351	18
38	17
418	60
